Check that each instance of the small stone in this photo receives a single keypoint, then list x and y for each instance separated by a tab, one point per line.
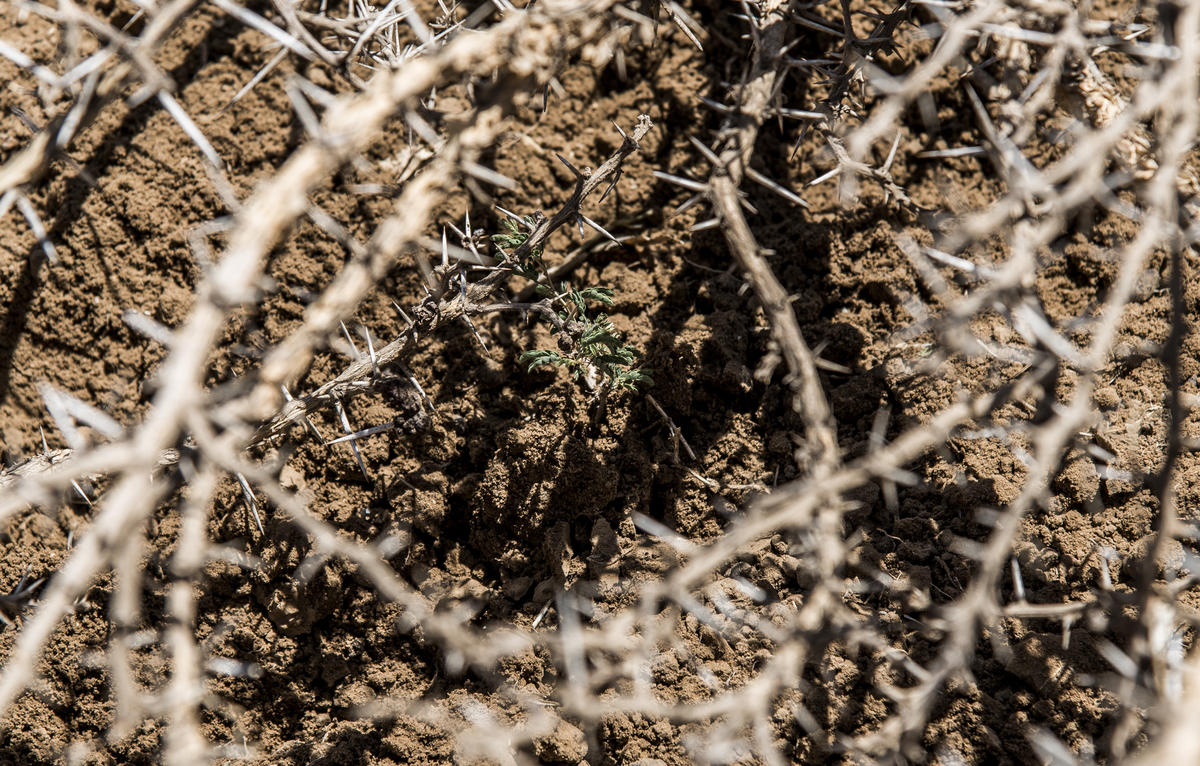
1147	285
566	744
285	614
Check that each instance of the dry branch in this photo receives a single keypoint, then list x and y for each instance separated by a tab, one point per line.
524	39
29	164
739	136
606	662
434	314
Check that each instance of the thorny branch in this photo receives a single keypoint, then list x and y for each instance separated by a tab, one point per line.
434	313
754	94
198	437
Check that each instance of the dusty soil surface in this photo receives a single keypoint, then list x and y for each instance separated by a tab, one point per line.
516	488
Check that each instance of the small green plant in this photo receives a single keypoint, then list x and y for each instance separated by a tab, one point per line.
588	344
532	266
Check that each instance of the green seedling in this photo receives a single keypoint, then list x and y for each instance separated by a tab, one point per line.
588	344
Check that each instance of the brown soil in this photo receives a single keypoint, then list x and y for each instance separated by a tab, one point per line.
515	489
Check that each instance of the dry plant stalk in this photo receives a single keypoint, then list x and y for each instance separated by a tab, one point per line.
1038	404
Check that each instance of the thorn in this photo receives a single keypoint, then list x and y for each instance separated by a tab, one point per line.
891	154
825	364
82	494
779	189
598	228
692	200
678	15
190	128
512	215
249	497
711	223
70	123
799	140
475	332
961	151
664	533
139	322
422	128
716	105
487	175
7	200
1120	661
404	316
39	231
262	25
686	183
1018	583
370	349
611	184
471	256
709	154
61	417
413	379
314	92
823	178
806	22
571	167
288	396
341	411
350	340
361	434
279	56
958	263
800	114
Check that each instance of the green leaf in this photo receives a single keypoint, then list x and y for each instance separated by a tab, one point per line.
599	346
596	333
577	299
541	358
600	294
629	379
614	360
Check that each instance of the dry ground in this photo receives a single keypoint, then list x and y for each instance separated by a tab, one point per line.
516	488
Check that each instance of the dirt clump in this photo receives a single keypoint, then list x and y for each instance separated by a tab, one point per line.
531	508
